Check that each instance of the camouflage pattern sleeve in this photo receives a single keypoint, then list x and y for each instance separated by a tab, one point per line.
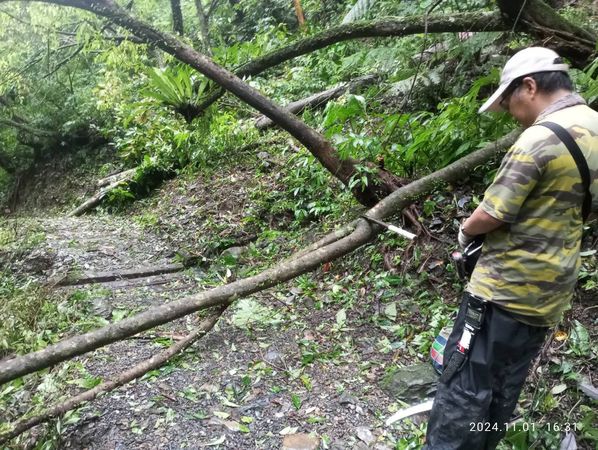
515	179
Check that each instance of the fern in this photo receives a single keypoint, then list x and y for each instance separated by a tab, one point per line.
359	10
176	87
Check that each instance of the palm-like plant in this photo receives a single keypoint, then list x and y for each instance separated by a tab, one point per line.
177	87
359	10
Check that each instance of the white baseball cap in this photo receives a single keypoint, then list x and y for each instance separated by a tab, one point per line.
525	62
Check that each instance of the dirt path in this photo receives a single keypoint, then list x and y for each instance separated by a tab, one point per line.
274	366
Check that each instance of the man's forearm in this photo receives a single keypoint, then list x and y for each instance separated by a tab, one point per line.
480	222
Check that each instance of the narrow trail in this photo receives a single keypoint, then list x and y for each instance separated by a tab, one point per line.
246	385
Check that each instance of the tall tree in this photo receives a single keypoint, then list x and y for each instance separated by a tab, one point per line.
204	27
299	13
177	17
542	22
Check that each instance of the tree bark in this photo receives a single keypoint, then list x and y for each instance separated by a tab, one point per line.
396	27
95	199
23	126
542	22
204	27
226	294
343	169
320	99
125	175
177	17
129	375
299	13
103	277
6	165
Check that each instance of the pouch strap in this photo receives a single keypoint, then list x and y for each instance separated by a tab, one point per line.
580	161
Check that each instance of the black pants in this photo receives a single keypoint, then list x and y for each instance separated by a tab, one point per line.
471	409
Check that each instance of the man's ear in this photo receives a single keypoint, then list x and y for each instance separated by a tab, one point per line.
530	86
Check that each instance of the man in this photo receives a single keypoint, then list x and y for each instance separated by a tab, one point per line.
531	217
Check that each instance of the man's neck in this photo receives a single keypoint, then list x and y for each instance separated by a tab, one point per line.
547	100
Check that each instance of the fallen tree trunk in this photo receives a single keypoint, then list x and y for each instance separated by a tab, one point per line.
226	294
320	98
129	375
126	175
23	126
95	199
102	277
395	27
542	22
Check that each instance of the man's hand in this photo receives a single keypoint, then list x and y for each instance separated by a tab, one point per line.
464	238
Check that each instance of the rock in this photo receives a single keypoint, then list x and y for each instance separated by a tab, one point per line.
38	261
364	434
272	356
300	441
340	445
415	382
381	446
100	306
346	399
588	388
235	252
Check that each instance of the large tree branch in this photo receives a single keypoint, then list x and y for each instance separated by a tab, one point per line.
388	27
320	99
542	22
129	375
226	294
28	128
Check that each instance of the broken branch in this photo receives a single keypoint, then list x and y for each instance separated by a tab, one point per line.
226	294
135	372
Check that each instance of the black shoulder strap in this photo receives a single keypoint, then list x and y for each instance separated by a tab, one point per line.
582	164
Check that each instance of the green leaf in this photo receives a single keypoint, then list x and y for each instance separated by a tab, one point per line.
296	401
517	437
579	340
391	311
341	317
221	414
306	381
87	382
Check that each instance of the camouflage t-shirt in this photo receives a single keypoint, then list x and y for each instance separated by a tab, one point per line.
529	265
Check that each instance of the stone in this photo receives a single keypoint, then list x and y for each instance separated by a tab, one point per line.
38	261
272	356
100	306
300	441
235	252
347	399
364	434
416	382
